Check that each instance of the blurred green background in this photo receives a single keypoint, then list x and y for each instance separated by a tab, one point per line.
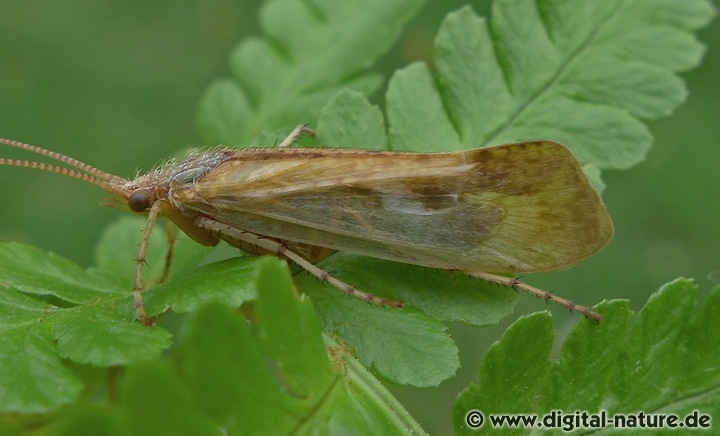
116	84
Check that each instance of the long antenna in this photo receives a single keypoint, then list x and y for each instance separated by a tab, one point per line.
58	170
102	175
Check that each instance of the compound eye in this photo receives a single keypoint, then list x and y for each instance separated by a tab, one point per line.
139	201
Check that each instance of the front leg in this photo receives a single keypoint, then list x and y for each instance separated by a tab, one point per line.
142	253
283	252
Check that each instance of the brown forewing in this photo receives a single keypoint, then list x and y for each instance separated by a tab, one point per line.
512	208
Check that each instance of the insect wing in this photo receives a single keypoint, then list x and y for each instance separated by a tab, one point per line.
513	208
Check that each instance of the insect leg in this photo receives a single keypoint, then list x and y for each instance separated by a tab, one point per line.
142	253
545	295
283	252
169	254
295	134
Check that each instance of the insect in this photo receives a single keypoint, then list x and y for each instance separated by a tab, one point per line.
513	208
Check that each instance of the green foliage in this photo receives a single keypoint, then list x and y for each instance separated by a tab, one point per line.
665	360
274	376
582	73
408	346
310	52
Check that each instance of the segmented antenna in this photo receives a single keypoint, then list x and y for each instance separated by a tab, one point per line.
107	181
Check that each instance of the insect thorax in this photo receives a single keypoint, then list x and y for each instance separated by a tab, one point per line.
193	167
